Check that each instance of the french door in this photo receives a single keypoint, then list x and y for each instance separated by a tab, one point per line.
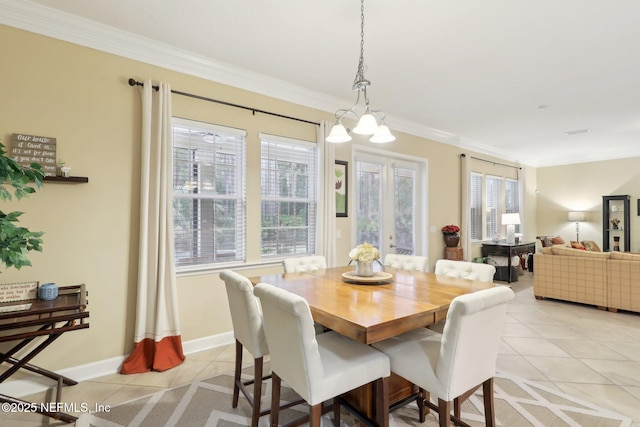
390	203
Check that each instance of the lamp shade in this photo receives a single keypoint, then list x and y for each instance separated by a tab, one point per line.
367	125
577	216
382	135
511	218
338	134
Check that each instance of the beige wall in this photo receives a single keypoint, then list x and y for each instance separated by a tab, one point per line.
80	96
580	187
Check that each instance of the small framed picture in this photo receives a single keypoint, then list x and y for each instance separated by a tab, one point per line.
342	188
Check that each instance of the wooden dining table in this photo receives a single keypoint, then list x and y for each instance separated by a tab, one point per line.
372	311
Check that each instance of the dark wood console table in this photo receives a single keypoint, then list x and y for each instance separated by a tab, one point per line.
48	319
505	249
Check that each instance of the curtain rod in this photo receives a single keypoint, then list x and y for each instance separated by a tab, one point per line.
133	82
491	161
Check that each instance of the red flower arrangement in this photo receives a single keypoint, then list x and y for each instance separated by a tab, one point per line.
450	229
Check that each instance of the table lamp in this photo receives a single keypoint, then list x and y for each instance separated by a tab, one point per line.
577	217
511	220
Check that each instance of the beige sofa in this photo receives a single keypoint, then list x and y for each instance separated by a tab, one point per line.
608	280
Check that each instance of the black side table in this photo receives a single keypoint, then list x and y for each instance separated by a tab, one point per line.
505	249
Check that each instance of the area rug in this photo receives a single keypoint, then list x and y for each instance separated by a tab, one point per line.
518	402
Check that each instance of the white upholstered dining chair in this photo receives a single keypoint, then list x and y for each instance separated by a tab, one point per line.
304	263
452	365
406	262
317	367
248	330
465	270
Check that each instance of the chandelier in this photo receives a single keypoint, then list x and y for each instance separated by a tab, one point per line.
368	121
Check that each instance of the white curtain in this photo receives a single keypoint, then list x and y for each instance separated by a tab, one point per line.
327	205
465	203
158	345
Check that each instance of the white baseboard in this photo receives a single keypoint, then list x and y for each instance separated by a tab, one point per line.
101	368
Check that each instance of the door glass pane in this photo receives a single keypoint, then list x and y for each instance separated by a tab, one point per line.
404	202
368	198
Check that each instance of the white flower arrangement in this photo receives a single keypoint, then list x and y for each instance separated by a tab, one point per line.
365	252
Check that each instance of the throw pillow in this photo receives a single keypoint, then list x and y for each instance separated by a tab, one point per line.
557	240
578	245
539	245
590	245
546	241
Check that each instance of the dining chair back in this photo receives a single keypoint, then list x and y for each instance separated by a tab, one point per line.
406	262
317	367
304	263
465	270
248	330
452	365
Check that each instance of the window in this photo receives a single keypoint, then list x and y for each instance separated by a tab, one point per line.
208	193
494	206
511	199
289	170
499	195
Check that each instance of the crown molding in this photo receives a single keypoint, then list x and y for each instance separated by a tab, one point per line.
589	158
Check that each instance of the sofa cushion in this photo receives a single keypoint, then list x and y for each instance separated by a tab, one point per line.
624	256
560	250
590	245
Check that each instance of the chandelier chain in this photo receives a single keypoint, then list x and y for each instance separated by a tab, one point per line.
360	82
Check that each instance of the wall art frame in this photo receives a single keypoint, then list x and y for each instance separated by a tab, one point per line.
342	188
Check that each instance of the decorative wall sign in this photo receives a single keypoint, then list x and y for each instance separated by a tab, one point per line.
342	191
22	291
27	149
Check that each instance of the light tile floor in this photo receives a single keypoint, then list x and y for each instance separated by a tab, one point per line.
585	352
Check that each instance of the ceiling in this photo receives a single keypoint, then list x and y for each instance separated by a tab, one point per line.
541	82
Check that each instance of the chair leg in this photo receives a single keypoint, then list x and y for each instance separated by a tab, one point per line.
315	412
236	376
257	391
444	413
456	407
275	399
336	412
423	409
489	411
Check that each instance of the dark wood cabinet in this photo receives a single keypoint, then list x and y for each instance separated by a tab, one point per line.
616	223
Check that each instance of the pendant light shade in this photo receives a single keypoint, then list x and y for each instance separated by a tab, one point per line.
338	134
382	135
368	121
367	125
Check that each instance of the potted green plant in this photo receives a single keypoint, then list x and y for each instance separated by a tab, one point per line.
16	242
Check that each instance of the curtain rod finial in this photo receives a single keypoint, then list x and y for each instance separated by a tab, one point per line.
132	82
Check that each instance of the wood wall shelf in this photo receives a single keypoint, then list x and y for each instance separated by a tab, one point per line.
70	179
